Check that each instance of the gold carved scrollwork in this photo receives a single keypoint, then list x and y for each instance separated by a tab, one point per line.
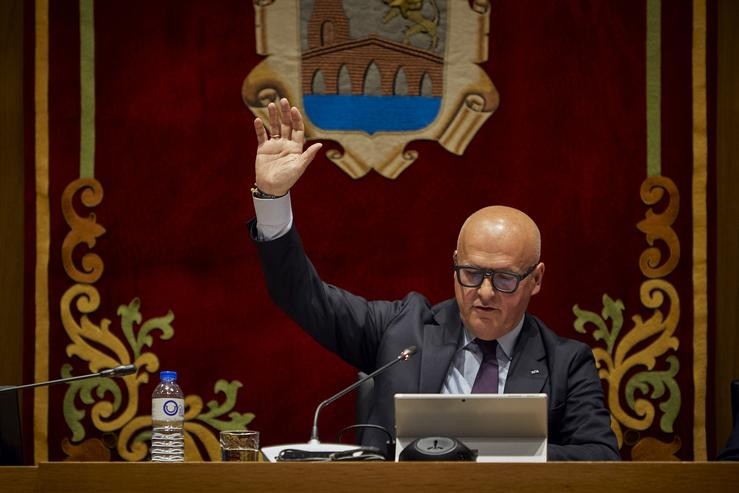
640	364
82	230
653	338
88	301
659	227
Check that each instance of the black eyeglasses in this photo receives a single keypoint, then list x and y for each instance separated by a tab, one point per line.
505	282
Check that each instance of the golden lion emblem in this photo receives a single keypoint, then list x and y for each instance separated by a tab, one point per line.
411	10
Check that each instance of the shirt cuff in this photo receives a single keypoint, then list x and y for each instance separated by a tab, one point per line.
274	217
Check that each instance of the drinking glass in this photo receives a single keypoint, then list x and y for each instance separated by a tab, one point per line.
239	446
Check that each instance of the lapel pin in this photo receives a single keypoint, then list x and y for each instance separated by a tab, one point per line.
534	372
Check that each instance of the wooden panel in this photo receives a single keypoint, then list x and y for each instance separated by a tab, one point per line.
11	192
621	477
19	479
727	215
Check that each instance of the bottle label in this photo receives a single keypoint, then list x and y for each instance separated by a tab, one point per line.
167	409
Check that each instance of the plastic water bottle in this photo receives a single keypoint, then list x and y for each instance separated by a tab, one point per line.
168	420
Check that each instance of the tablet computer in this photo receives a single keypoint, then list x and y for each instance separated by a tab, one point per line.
499	427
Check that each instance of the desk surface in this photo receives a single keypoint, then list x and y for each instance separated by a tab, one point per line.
601	477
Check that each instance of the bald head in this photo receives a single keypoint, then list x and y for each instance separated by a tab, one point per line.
502	240
504	229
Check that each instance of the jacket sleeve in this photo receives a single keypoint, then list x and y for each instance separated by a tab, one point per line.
580	426
343	323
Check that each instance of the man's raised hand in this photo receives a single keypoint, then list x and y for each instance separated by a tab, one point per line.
280	159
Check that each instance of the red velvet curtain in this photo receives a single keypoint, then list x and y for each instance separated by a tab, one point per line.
174	151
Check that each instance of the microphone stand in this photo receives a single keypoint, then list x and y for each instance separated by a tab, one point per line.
118	371
314	450
11	442
403	356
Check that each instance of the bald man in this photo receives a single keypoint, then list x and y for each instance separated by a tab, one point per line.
482	340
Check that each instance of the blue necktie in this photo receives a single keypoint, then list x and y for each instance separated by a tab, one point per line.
486	380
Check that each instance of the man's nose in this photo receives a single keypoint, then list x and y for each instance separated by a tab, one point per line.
486	289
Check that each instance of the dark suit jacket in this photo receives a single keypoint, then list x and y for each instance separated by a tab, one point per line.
368	334
731	450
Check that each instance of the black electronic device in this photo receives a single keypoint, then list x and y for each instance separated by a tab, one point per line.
11	440
437	449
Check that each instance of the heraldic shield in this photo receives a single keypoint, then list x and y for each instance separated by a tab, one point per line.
374	75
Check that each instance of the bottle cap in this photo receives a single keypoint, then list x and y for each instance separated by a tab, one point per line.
168	376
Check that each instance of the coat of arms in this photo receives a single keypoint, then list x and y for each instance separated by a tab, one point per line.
374	75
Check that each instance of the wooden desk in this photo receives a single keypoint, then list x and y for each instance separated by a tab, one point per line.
590	477
19	478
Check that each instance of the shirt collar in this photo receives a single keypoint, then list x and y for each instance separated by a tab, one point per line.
506	341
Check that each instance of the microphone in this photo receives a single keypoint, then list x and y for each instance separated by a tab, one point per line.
118	371
314	449
403	356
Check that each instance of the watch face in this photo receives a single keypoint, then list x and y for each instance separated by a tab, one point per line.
435	445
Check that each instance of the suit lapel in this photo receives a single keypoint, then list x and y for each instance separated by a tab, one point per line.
529	371
439	345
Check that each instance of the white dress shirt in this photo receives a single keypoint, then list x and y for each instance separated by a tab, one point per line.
468	358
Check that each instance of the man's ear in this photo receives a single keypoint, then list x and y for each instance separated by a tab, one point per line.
538	276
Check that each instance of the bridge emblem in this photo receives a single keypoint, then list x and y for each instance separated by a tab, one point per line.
374	75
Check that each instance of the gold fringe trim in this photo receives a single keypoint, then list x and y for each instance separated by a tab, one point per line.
41	350
700	160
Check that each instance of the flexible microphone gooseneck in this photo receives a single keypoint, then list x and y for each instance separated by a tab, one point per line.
403	356
118	371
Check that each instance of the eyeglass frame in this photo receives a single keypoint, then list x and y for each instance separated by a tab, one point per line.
490	273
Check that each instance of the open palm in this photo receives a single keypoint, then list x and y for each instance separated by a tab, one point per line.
280	159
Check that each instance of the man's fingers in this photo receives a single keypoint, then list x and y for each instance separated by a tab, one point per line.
286	126
309	154
297	120
260	131
303	162
274	120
